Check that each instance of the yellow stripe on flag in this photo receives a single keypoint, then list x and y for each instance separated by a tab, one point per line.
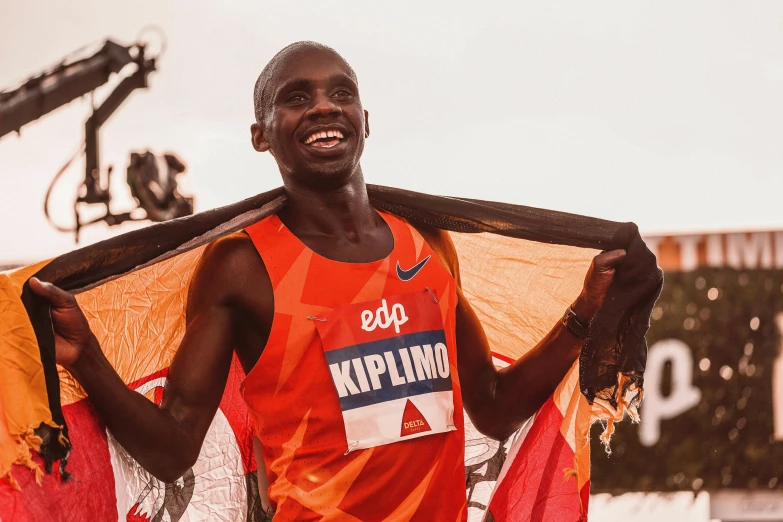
23	398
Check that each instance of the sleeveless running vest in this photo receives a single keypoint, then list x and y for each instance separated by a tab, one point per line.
356	398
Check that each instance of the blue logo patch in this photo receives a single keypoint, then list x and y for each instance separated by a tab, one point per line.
407	275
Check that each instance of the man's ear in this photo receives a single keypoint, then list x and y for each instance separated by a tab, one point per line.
258	139
366	124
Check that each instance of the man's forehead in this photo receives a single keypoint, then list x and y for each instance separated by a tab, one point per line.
309	63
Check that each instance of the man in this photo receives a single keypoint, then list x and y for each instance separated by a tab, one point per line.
342	318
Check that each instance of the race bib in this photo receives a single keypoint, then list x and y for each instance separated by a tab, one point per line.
390	367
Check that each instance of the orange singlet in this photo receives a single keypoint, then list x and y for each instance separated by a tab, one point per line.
356	398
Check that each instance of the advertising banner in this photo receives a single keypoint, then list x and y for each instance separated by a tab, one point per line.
712	416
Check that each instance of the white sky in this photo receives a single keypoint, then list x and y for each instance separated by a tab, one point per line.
664	113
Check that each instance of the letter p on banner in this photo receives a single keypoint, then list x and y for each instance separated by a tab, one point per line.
683	395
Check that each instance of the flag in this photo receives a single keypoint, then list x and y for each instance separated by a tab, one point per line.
546	475
520	268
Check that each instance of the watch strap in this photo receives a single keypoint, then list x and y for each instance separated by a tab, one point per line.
577	327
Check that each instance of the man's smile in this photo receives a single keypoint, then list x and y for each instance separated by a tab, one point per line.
324	138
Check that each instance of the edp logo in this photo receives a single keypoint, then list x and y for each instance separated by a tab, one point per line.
384	318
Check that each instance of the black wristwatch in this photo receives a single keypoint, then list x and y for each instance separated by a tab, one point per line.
576	326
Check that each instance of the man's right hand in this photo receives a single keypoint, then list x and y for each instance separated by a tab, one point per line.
71	329
230	280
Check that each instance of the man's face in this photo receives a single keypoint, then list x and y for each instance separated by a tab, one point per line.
313	124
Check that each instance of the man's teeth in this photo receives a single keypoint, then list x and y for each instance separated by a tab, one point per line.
323	135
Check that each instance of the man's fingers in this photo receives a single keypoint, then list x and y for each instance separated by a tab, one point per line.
609	260
57	297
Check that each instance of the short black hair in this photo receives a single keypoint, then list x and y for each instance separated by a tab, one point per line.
261	93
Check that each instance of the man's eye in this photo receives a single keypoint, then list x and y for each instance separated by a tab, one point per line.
295	98
342	93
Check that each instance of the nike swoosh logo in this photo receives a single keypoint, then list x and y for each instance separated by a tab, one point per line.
407	275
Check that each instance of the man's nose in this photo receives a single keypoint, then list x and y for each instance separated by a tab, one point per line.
323	105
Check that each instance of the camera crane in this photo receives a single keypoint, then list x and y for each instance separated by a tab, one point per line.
152	180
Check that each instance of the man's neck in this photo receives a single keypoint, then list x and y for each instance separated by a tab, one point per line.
338	212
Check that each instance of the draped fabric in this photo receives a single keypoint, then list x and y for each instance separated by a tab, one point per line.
520	267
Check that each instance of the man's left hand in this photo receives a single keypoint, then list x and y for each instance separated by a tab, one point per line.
597	282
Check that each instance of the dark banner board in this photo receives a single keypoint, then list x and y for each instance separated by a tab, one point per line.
712	416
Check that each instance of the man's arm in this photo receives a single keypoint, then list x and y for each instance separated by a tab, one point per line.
499	401
165	440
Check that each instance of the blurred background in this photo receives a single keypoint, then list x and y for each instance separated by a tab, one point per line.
666	114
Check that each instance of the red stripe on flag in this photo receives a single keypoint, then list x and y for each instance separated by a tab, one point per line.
234	407
533	487
585	496
88	495
504	358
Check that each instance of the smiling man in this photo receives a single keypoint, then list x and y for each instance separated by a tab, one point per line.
359	347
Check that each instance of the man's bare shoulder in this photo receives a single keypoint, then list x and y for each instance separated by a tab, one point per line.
440	241
230	270
232	251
